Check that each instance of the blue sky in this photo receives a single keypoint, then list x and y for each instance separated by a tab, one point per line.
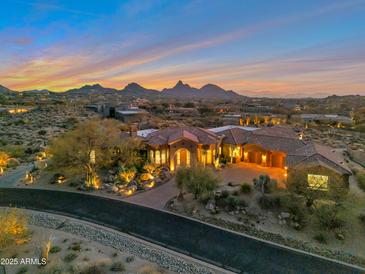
265	48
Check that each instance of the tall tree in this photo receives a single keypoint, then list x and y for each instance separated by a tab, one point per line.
87	148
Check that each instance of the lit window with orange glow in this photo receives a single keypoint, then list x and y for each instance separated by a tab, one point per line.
318	181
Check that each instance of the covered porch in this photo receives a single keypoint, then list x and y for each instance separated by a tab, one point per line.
256	154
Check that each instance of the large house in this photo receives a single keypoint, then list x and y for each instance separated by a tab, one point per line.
277	147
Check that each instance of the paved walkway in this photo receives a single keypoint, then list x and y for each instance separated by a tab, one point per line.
11	178
157	197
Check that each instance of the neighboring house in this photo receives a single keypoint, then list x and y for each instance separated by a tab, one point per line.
131	115
324	118
276	146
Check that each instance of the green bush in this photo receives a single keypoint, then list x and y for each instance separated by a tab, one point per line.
320	238
15	151
265	184
205	198
70	257
225	194
22	270
361	180
246	188
75	247
232	202
295	207
362	218
55	249
327	216
129	259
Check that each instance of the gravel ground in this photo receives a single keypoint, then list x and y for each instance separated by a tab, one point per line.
118	241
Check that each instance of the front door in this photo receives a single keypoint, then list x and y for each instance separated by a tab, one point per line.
182	157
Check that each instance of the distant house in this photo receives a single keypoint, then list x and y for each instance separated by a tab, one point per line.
277	147
131	115
324	118
126	114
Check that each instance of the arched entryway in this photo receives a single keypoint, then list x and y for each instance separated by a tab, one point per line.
182	158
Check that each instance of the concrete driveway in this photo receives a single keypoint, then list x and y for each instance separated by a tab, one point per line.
157	197
246	172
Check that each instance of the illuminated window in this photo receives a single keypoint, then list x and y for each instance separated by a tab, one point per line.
163	156
158	157
178	160
318	181
188	158
209	156
152	158
236	152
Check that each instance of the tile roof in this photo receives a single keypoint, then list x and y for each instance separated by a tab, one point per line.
170	135
276	138
280	138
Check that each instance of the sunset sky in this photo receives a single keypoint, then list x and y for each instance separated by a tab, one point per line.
262	48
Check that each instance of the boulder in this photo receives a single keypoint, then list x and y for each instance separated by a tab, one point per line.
340	236
210	205
284	215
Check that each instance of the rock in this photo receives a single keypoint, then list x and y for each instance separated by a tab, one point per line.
340	236
284	215
211	206
115	189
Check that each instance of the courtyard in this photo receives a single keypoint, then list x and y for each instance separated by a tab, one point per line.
245	173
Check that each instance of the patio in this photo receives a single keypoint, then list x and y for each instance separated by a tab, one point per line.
246	172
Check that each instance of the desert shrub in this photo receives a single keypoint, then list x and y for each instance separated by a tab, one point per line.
92	270
362	218
117	267
75	247
361	180
13	228
129	259
70	257
295	207
320	238
15	151
225	194
246	188
55	249
197	180
265	184
22	270
327	217
205	198
268	202
232	202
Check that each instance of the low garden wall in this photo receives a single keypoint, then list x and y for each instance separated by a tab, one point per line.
208	243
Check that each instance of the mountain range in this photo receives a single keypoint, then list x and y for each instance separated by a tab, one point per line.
180	90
